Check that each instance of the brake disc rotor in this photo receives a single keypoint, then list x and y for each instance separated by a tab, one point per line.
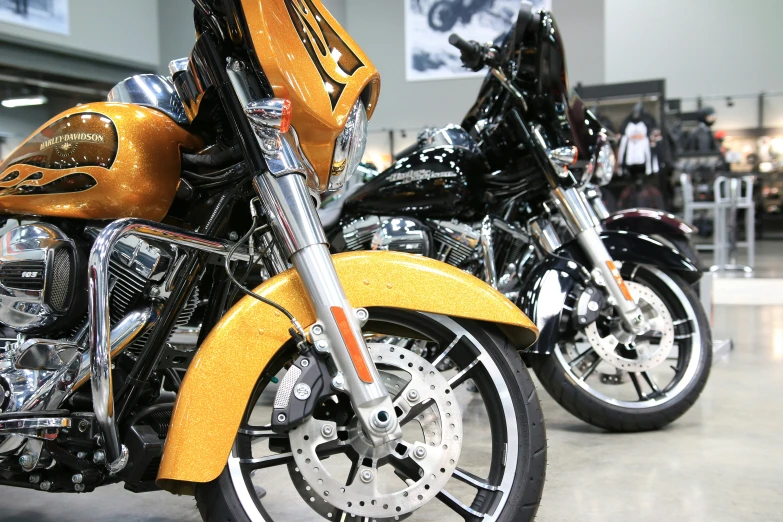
423	395
648	356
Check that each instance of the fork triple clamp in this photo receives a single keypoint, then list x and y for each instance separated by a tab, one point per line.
304	386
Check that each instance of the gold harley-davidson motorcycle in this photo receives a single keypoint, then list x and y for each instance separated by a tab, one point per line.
123	219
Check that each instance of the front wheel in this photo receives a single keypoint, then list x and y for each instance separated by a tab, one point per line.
623	383
462	456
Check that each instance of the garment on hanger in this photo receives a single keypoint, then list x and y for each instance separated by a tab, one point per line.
635	148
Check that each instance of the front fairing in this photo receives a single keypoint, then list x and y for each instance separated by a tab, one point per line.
311	60
535	57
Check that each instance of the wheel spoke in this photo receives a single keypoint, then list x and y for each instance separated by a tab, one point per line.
651	382
591	369
445	352
268	461
458	507
261	431
277	459
637	386
579	358
473	480
462	376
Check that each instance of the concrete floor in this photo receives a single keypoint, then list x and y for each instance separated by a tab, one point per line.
721	462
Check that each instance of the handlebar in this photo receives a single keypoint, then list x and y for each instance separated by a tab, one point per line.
474	55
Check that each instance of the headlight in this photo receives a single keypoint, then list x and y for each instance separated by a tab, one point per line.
604	164
349	147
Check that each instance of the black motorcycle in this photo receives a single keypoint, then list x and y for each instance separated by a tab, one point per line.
624	342
445	14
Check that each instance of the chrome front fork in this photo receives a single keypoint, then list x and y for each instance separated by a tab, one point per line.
338	329
584	224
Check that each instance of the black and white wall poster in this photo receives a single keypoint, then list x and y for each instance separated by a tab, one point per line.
44	15
428	24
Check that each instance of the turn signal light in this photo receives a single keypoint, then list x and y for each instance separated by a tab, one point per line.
271	113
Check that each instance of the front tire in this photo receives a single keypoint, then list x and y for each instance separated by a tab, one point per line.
584	385
507	488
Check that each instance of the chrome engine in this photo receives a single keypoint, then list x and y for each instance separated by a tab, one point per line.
43	292
458	244
39	282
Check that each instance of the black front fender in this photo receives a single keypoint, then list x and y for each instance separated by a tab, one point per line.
548	285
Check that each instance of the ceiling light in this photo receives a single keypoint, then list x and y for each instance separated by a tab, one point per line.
24	101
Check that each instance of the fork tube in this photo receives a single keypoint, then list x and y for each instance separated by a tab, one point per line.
295	222
579	218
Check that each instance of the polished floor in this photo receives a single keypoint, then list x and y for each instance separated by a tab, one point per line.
723	461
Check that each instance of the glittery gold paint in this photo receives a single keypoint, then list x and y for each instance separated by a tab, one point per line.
223	373
131	152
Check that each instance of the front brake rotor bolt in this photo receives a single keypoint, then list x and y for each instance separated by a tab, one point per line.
45	485
413	395
327	431
367	476
35	479
281	417
322	346
420	452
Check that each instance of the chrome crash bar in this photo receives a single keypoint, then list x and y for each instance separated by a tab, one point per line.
99	326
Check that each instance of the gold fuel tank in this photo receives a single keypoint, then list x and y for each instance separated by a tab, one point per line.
97	161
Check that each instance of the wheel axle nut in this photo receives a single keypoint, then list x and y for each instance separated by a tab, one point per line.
420	452
367	476
381	419
327	431
413	395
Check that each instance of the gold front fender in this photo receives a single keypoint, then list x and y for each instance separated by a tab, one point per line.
221	378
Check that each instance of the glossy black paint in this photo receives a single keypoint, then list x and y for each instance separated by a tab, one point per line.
648	221
548	285
435	182
535	50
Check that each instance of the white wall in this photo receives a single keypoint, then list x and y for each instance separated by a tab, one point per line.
701	48
123	30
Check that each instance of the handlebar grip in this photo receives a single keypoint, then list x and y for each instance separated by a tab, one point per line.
472	56
462	44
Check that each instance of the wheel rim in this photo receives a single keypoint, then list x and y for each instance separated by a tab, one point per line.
586	367
468	492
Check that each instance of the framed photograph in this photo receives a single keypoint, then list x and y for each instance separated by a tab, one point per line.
428	24
44	15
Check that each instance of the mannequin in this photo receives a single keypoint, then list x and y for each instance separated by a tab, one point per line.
635	149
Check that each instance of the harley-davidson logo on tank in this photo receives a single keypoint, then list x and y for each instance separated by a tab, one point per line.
79	140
